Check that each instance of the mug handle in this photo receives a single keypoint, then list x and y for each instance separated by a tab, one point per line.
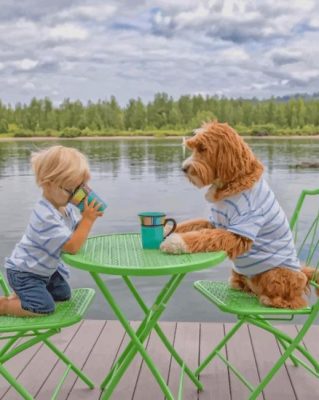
173	227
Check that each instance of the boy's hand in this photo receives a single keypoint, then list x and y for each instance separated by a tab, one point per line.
91	211
89	215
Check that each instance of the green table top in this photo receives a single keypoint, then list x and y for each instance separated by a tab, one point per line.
122	254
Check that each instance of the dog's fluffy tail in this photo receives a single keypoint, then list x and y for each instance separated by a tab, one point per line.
311	274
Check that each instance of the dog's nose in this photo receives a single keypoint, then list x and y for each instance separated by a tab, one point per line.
185	168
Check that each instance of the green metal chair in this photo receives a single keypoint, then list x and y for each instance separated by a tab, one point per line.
247	308
40	329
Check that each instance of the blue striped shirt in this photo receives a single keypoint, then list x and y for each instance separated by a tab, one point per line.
40	248
257	215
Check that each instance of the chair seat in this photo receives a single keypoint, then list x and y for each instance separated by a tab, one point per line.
67	313
238	302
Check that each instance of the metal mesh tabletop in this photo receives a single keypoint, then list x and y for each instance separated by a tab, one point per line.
122	254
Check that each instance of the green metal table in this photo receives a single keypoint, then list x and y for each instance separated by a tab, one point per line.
122	254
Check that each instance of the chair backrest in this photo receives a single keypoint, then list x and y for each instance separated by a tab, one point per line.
304	224
4	286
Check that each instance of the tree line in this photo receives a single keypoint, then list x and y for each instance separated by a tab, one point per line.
161	115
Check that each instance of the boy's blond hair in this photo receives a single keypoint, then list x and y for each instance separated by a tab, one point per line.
59	164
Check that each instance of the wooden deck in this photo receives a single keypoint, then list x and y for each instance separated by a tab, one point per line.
94	345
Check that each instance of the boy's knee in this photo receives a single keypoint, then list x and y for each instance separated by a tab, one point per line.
61	292
64	297
59	288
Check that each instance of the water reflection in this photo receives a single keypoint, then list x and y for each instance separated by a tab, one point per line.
157	156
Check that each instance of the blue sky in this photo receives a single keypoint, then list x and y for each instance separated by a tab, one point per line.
90	50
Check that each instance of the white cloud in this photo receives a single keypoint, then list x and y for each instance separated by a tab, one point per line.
234	20
314	22
21	33
26	64
260	86
305	75
162	20
132	48
28	86
68	31
194	17
233	55
98	12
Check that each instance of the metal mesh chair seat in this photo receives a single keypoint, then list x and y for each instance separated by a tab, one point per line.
67	313
33	330
238	302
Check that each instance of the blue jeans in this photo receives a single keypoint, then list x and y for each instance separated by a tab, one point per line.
38	293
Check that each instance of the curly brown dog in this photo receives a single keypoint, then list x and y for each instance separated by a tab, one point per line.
246	220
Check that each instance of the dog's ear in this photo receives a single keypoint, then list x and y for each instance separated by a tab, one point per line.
235	157
231	157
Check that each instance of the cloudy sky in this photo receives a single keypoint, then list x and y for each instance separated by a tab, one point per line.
93	49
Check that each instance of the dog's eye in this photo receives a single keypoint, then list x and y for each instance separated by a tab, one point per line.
201	148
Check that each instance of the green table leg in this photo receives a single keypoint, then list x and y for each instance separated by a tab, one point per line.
162	336
138	337
141	328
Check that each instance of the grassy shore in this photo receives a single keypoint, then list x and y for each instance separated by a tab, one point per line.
74	133
50	138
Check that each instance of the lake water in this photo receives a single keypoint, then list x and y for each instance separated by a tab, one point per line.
135	175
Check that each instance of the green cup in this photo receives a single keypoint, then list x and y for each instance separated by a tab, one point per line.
152	228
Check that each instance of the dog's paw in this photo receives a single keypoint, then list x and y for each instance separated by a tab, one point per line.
174	244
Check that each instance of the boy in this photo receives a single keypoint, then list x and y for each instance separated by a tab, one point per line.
35	270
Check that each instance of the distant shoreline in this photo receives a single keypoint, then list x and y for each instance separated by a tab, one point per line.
52	138
89	138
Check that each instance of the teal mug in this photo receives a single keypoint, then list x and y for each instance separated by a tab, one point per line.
85	192
152	228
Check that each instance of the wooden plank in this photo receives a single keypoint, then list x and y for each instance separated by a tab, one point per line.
100	361
125	388
240	354
214	377
305	384
40	366
267	353
77	351
95	344
146	384
187	345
